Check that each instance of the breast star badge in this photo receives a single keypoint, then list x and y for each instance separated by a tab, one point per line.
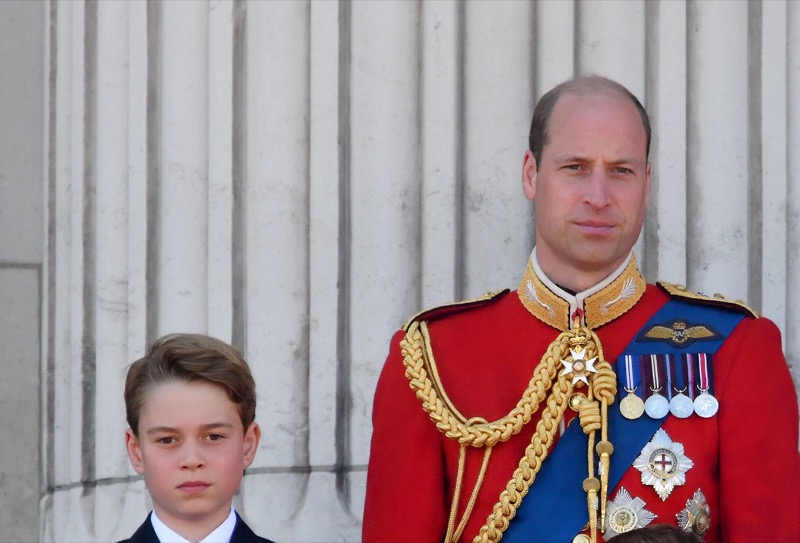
625	513
579	367
663	464
696	516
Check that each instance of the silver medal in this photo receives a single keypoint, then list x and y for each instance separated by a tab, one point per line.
656	406
706	405
681	405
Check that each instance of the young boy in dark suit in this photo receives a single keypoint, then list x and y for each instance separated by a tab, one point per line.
191	407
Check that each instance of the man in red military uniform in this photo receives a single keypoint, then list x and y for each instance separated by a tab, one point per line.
586	403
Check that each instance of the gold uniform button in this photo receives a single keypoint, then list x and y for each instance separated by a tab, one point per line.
581	538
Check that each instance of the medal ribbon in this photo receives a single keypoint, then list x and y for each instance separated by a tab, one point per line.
679	365
654	369
631	373
668	360
703	366
690	375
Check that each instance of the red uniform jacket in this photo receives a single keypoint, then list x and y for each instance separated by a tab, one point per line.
745	458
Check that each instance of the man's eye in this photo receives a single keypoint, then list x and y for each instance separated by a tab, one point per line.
166	440
574	167
215	437
623	170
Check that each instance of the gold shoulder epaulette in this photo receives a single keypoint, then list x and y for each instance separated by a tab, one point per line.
679	291
455	307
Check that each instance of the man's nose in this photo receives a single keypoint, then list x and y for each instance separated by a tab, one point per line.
597	190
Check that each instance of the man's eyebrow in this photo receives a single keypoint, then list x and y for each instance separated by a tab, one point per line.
169	429
623	160
570	158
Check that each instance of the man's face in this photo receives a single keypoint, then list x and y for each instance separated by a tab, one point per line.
192	450
591	188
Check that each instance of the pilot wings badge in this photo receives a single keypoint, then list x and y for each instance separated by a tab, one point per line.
679	333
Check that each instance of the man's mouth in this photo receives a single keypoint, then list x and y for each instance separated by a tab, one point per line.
595	227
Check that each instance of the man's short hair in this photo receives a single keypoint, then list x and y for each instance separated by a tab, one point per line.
585	86
190	358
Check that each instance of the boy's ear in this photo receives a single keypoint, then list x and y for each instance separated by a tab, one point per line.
251	438
134	451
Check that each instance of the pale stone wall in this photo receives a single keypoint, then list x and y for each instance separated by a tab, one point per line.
299	178
22	109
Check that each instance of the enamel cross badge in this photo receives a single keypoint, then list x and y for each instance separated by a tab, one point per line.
579	368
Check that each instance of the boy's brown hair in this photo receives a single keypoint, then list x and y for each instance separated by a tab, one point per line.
191	358
658	533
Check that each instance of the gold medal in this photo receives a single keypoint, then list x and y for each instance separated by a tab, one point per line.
631	405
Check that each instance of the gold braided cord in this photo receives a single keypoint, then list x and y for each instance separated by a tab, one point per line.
424	380
604	386
472	499
589	416
451	522
453	532
530	464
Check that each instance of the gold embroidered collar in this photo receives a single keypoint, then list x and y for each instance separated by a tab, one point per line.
601	304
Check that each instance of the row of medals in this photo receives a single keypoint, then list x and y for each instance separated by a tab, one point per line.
657	406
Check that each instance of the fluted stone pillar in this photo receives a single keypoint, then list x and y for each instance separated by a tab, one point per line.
298	178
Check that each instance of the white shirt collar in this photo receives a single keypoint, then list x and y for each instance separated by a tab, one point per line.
221	534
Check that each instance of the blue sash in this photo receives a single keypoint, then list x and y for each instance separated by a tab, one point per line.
555	508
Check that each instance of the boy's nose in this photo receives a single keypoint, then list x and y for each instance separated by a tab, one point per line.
192	457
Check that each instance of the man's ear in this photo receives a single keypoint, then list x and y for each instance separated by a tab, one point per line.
251	438
134	451
529	175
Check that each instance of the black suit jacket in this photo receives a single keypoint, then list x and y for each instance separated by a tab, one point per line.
241	533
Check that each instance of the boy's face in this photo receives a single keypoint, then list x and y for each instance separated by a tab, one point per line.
192	450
